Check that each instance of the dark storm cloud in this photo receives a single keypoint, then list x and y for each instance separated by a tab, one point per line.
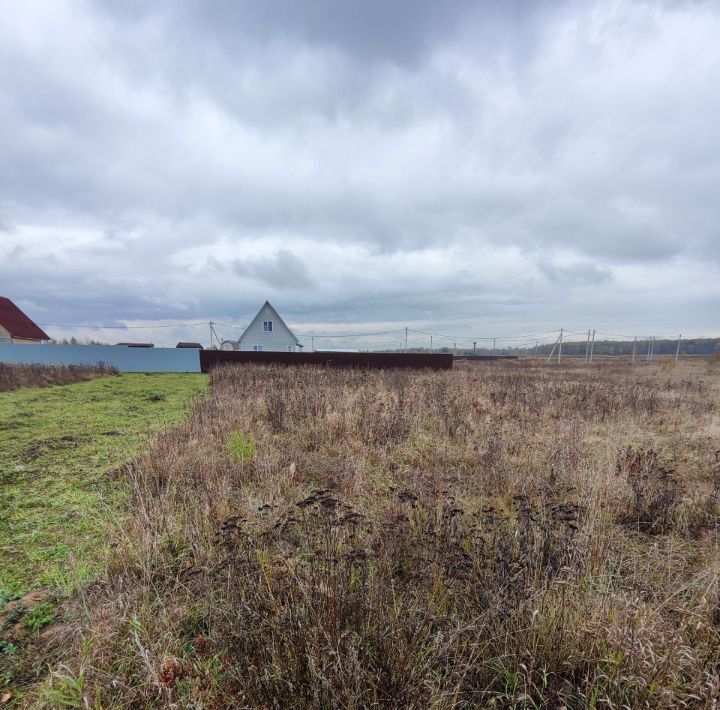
402	32
283	270
362	162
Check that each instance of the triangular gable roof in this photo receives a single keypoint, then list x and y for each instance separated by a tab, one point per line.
277	315
17	323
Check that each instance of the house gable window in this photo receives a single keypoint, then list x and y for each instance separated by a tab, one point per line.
267	326
257	348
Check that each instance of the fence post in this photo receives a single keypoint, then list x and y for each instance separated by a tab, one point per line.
677	350
634	349
592	346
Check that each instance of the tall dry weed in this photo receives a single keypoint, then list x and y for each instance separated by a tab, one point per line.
504	534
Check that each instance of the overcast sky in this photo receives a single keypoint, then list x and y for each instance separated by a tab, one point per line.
483	168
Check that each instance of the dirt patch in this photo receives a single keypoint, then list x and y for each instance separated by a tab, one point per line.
29	601
11	626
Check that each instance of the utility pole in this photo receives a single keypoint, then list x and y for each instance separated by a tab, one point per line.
592	346
455	347
405	338
560	346
312	343
553	349
214	335
493	346
650	348
474	344
634	349
431	343
677	350
535	349
587	347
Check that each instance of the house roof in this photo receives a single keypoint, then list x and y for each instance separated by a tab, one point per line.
17	323
277	315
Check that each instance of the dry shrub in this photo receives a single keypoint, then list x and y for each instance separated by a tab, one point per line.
655	491
425	539
14	377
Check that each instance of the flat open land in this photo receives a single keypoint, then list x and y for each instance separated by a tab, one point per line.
61	482
507	534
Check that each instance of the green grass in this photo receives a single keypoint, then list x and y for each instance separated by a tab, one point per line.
241	447
57	446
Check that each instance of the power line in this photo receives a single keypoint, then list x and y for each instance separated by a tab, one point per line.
354	335
510	341
228	325
618	335
639	337
471	338
123	327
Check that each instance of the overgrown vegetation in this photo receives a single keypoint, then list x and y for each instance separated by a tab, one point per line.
500	535
14	377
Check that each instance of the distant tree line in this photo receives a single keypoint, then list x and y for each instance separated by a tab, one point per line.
690	346
75	341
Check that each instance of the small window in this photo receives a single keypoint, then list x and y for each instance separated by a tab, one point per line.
267	326
257	348
290	348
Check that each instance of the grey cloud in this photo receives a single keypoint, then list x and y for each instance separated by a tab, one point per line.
319	151
576	274
284	270
401	31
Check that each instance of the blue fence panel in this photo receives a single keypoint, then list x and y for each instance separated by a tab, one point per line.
123	358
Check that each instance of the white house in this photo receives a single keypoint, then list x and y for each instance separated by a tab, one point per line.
268	332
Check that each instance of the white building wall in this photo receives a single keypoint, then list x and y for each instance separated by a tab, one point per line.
280	339
5	337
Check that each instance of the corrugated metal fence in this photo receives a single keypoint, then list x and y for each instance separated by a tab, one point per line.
190	360
123	358
212	358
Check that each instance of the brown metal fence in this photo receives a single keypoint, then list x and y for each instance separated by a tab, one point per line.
440	361
487	357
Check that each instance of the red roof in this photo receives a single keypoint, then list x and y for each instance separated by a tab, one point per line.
17	323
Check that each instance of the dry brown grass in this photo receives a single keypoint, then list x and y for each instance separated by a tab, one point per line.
504	534
14	377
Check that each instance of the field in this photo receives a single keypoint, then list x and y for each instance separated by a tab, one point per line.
504	534
62	450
